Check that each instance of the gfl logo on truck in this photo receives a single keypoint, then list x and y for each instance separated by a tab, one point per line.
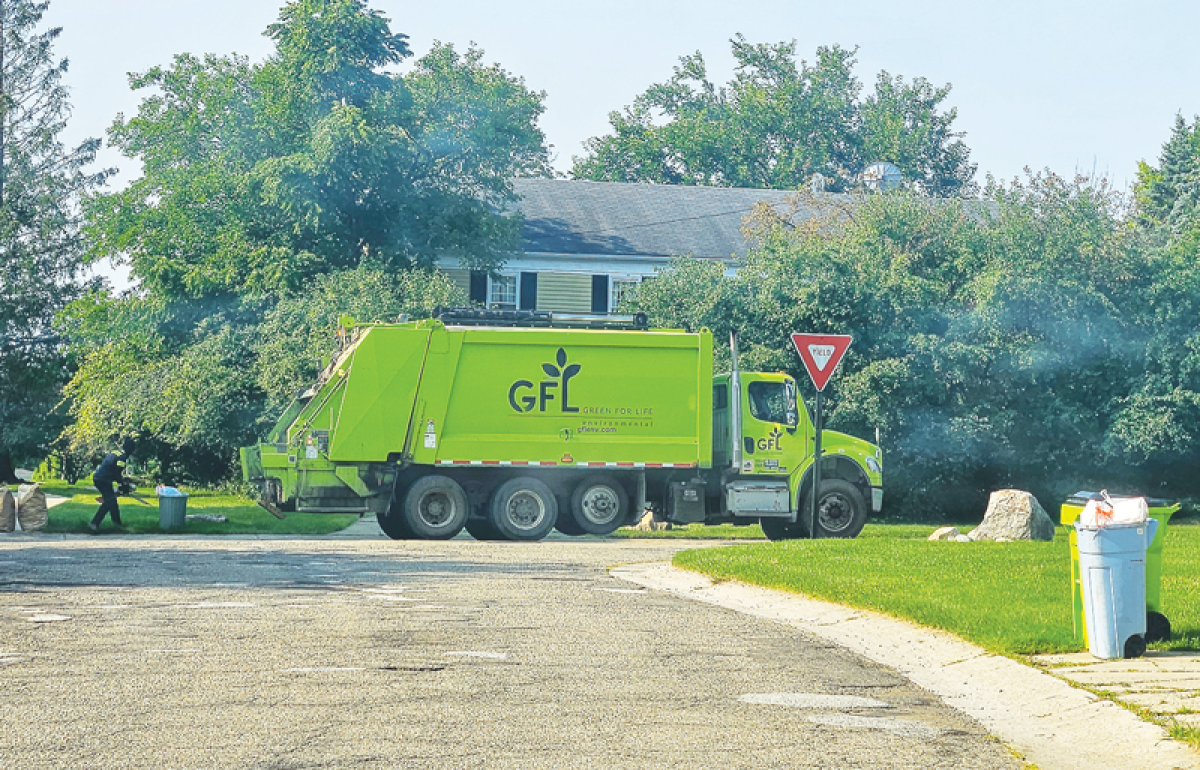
560	378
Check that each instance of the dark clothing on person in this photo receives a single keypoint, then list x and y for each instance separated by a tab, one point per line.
112	468
110	473
108	503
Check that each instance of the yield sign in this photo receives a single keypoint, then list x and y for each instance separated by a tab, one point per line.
821	354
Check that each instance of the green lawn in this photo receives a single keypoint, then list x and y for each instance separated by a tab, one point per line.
245	518
1011	598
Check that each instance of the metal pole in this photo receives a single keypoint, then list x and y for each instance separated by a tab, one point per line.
818	426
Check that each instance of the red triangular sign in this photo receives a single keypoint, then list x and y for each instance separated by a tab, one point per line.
821	354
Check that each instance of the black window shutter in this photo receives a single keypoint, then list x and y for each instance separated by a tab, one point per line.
528	291
478	287
600	294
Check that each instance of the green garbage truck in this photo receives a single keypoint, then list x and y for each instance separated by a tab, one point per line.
515	423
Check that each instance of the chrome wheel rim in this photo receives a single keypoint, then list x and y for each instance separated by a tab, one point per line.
436	509
836	513
600	504
525	510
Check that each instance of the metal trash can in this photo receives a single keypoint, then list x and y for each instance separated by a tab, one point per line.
1158	627
172	511
1112	571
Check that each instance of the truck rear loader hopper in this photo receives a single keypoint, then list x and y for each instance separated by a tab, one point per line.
513	423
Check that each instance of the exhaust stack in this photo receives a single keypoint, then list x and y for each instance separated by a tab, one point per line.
735	406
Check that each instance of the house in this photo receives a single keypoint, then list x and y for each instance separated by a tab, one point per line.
583	244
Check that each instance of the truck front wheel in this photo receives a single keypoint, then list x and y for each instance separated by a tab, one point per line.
599	505
781	529
435	508
523	509
841	511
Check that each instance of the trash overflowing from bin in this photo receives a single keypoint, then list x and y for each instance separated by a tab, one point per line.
1110	539
172	507
1158	627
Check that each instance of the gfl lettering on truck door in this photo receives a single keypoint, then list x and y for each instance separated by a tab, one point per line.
522	400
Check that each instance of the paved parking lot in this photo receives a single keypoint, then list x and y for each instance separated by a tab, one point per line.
160	652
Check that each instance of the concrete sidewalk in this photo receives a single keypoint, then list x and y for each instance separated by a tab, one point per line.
1044	718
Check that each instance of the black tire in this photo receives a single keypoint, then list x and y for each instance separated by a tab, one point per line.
599	505
482	529
435	508
1158	628
566	522
392	524
842	511
523	509
1135	646
782	529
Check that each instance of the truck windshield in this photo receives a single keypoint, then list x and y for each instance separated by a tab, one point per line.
774	402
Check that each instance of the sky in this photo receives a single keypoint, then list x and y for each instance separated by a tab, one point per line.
1071	86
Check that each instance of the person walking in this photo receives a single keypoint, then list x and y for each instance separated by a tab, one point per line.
107	477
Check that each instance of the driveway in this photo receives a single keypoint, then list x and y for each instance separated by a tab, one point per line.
295	653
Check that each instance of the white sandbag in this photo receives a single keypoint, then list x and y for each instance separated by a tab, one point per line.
31	507
8	510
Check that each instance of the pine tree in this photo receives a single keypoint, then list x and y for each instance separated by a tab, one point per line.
40	244
1177	175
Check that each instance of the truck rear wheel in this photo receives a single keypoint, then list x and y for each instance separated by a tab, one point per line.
435	508
841	511
392	524
599	505
523	509
482	529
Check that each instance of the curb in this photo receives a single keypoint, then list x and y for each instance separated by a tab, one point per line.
1046	720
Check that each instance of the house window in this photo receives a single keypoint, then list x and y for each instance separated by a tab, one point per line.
620	287
502	292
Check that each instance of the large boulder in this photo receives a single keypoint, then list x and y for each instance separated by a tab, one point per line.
1014	515
8	510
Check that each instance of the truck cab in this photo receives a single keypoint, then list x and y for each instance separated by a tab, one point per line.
770	478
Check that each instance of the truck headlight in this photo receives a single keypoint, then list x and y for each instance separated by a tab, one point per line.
874	465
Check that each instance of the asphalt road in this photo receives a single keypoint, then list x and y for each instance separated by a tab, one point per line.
189	653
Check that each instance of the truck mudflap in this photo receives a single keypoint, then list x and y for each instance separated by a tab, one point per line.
876	499
269	490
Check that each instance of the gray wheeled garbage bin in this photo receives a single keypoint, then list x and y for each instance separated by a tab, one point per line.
1112	571
172	511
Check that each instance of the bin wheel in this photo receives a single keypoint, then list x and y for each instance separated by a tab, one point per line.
1135	646
1158	628
523	509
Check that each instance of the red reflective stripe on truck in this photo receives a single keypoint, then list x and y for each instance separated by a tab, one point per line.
504	463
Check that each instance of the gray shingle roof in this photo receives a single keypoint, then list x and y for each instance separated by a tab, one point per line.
566	216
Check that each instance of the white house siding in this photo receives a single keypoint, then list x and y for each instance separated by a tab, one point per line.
564	292
461	278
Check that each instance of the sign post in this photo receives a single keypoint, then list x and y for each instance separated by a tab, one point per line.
821	354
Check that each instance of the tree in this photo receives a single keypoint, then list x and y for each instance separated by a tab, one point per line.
40	247
997	343
274	197
1170	194
777	124
256	178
